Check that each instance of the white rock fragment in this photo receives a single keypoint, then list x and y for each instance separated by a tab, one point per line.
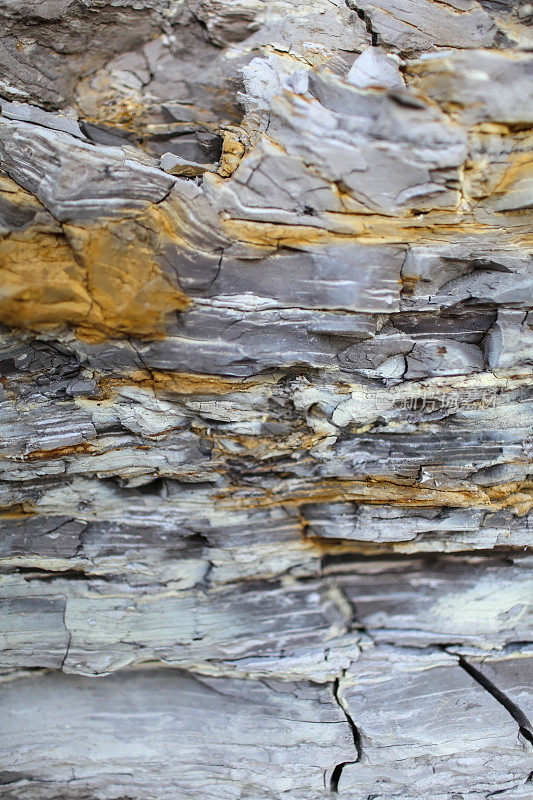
176	165
375	69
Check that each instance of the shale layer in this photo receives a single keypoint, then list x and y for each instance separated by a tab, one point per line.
265	399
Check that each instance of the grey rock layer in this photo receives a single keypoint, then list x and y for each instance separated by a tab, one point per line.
265	400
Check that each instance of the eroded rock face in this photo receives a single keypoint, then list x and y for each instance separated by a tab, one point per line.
265	288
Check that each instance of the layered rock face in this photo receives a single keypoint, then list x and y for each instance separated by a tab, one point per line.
265	288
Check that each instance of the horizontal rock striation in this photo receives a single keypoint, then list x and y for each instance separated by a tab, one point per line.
265	399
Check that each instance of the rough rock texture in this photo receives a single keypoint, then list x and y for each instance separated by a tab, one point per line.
266	367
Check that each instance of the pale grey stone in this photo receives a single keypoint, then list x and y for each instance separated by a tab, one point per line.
375	69
423	24
180	731
294	522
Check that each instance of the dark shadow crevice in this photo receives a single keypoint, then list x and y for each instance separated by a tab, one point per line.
337	770
524	725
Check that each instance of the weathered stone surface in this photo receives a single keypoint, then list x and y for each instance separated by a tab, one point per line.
181	731
427	758
265	399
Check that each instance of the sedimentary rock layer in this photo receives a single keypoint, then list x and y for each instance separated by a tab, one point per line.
265	399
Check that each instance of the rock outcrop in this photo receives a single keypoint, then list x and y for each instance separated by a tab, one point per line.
266	367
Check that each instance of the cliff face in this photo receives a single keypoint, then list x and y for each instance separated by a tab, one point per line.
265	286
